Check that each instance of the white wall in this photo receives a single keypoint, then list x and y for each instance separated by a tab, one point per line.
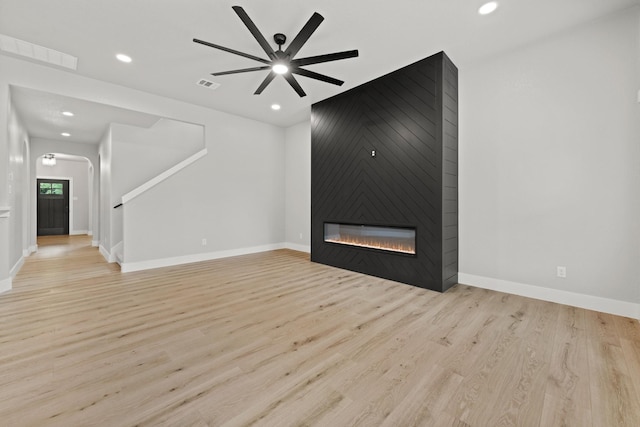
5	277
233	197
298	186
106	240
143	153
78	171
16	197
549	155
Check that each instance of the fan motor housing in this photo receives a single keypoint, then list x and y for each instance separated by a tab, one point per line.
279	38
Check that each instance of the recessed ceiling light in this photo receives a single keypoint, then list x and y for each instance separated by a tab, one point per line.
280	68
65	134
275	107
123	58
487	8
67	113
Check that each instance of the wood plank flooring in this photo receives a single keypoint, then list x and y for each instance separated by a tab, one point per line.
272	339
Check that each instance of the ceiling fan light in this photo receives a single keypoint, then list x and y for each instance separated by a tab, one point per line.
279	68
283	62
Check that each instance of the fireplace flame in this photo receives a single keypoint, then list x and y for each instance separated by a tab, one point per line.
379	243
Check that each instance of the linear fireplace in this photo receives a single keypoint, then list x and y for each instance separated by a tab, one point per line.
384	238
384	176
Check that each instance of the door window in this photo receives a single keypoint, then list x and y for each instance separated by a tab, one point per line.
51	188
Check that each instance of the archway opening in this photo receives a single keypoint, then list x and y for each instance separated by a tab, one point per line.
64	194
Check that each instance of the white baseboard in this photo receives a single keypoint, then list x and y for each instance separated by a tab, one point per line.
590	302
297	247
5	285
107	256
95	243
116	252
17	266
127	267
77	232
27	252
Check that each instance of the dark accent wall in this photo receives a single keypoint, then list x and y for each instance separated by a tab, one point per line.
410	118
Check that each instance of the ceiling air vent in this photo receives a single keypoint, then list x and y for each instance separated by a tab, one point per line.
208	84
37	52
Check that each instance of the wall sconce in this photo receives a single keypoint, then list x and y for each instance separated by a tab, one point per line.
49	160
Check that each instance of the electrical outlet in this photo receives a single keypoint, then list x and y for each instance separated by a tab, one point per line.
300	236
561	271
204	242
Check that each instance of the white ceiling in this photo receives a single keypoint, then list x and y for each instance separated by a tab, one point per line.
158	35
42	115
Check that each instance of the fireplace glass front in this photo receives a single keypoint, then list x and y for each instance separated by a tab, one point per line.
393	239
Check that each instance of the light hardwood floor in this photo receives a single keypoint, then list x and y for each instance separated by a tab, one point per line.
273	339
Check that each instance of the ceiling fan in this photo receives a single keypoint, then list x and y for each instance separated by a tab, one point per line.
283	62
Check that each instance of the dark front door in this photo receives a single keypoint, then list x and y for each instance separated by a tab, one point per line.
53	206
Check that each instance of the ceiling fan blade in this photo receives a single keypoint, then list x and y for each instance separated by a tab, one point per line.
265	83
317	76
324	58
236	52
243	70
254	31
294	84
304	34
